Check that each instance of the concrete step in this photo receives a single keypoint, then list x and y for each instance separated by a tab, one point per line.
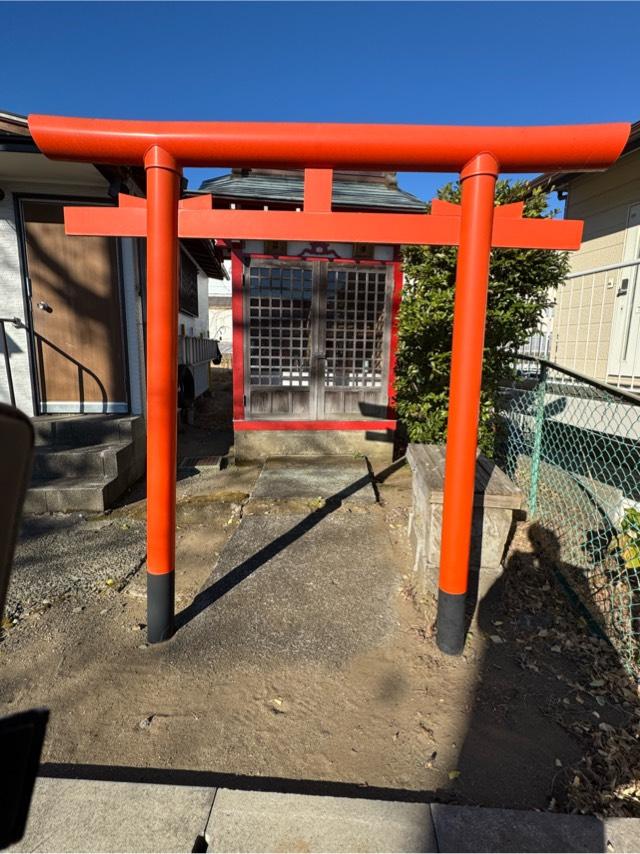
69	494
53	461
84	462
83	430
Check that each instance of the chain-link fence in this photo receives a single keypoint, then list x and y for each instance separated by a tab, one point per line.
573	446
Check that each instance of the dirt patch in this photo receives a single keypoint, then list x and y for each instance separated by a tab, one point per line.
510	723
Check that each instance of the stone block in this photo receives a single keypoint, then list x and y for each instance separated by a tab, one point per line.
340	478
375	444
622	835
495	500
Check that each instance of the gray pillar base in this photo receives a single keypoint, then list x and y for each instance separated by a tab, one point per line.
450	623
160	606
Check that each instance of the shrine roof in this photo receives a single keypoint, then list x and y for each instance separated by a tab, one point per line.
355	191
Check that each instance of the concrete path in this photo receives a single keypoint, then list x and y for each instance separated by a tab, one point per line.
87	815
289	584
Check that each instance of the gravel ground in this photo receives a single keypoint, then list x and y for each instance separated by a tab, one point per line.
64	555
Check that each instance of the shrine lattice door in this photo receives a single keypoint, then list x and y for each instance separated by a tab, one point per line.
317	339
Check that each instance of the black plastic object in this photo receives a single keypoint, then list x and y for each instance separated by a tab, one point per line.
22	734
21	738
16	452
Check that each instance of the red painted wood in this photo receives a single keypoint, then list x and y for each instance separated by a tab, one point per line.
362	262
478	181
438	229
277	145
393	344
318	189
389	424
163	187
237	316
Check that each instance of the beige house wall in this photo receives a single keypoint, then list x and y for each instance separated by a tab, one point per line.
584	305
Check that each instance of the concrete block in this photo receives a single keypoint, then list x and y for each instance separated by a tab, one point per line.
267	821
489	531
495	500
90	815
284	478
35	502
66	494
375	444
470	829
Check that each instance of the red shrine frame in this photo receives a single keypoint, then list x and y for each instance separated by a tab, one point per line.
475	226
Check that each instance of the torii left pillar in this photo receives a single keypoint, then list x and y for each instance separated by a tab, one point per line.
163	191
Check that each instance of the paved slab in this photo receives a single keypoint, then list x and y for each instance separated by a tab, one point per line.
286	588
622	835
344	479
264	821
89	815
472	829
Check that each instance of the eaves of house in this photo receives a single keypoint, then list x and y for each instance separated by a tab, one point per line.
15	137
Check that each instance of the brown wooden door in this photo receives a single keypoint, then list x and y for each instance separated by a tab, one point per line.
76	315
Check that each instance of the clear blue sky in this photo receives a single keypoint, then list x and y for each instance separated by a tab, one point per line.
441	63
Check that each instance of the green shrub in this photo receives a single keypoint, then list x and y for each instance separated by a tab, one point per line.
519	286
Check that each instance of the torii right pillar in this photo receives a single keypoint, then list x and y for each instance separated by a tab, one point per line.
478	179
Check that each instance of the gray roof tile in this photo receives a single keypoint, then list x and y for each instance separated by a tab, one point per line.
289	188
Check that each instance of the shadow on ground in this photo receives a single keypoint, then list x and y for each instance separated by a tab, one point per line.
544	660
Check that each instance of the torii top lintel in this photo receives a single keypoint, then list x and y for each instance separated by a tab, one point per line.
433	148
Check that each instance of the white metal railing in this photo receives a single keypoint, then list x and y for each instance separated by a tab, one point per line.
594	327
196	351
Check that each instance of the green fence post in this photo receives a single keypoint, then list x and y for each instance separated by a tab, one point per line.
536	451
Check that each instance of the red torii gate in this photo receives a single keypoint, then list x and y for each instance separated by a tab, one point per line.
478	153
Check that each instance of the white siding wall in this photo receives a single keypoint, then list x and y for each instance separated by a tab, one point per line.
220	322
582	325
12	302
198	327
12	305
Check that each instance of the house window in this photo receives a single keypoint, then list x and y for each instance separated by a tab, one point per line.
188	285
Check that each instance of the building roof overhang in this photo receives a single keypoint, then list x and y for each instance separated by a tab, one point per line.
15	138
560	181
